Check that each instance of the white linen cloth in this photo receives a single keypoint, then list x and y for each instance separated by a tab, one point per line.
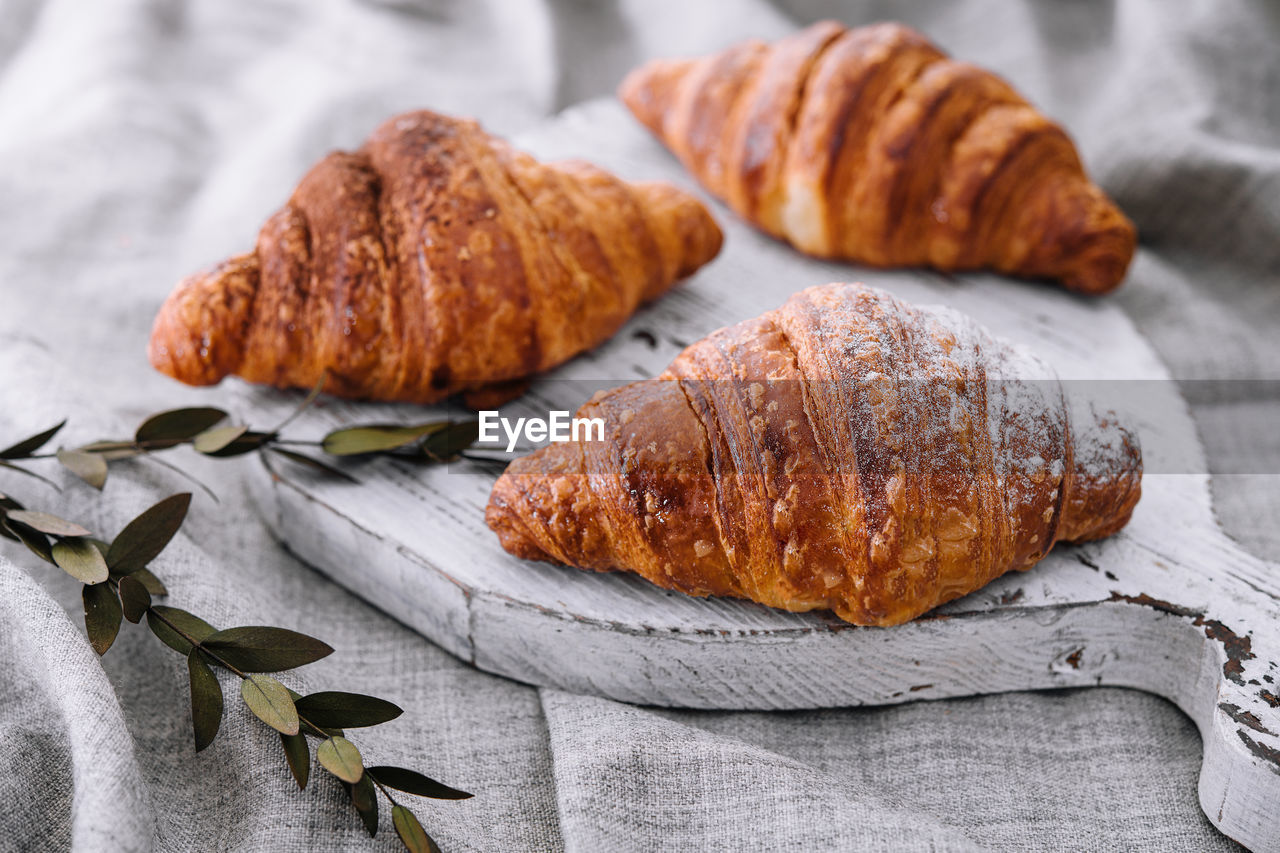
143	139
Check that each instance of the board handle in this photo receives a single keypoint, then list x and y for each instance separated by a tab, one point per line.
1238	715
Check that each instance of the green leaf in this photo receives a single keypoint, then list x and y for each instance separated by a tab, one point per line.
102	615
341	758
298	754
27	446
335	709
186	622
449	442
146	536
269	701
90	467
411	833
177	425
246	443
259	648
32	538
150	581
311	462
413	782
112	450
80	559
375	438
365	798
135	598
206	700
213	440
47	523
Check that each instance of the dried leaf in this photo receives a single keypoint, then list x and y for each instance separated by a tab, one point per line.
186	622
246	443
269	701
90	467
213	440
102	615
79	558
177	425
27	446
150	581
310	462
341	758
298	754
375	438
47	523
147	535
206	699
449	442
134	596
365	798
411	833
413	782
335	709
259	648
32	538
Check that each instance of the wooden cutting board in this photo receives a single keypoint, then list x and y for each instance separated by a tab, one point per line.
1169	606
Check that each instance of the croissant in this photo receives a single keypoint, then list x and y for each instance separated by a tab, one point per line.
436	259
845	451
870	145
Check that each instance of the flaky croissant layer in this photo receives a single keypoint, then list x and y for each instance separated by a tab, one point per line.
846	451
871	145
435	259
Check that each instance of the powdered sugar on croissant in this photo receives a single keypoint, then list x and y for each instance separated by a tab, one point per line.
846	451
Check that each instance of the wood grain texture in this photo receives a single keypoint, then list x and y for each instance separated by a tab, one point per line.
1169	605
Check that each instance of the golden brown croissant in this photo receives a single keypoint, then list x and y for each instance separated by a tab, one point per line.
869	144
845	451
435	259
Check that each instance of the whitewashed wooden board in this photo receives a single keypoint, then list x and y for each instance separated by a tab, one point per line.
1169	606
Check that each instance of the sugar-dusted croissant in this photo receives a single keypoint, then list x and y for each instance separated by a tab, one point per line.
845	451
870	145
435	259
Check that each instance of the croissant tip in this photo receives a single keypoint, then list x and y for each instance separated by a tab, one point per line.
504	521
197	336
1107	480
1101	265
649	91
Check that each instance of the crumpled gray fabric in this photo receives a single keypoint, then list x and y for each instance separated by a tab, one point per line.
141	139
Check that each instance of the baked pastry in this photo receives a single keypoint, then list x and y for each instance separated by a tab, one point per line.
845	451
436	259
870	145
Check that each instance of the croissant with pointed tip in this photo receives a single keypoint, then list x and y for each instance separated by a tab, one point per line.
870	145
434	260
846	451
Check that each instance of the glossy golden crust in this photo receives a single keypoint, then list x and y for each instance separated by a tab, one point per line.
869	144
845	451
434	260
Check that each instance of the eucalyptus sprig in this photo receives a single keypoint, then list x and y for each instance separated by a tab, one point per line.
119	585
202	429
